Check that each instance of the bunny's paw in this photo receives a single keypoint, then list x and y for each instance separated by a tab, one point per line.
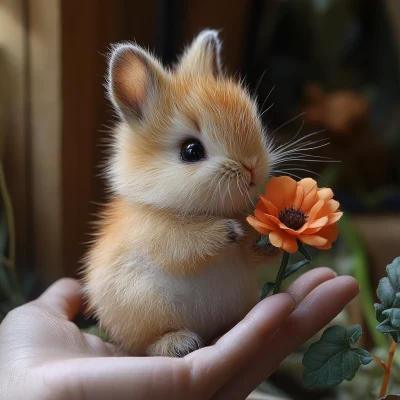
176	344
234	231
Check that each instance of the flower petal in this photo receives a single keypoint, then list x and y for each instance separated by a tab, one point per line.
315	209
288	230
280	191
330	206
311	231
271	209
330	232
325	246
283	241
272	219
318	223
298	197
260	205
314	240
257	225
264	218
310	193
325	193
308	184
334	217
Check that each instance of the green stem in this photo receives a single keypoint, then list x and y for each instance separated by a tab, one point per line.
295	267
303	251
281	272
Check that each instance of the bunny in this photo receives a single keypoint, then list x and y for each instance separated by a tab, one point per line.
174	263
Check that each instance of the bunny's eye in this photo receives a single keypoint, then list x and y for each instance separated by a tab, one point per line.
192	151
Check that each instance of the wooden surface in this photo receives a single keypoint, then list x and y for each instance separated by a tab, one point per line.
45	135
14	140
88	29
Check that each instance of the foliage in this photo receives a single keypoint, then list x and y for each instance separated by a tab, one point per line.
388	312
331	360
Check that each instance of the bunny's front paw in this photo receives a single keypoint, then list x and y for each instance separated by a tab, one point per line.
234	231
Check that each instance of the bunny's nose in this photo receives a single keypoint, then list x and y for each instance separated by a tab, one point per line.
250	176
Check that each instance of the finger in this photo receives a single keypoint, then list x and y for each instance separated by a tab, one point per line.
307	282
122	378
214	365
63	298
315	312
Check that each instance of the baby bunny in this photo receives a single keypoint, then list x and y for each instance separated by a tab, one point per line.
174	263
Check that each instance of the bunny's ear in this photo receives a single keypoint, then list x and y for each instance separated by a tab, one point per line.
134	81
202	57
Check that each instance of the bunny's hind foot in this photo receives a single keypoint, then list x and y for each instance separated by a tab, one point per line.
175	344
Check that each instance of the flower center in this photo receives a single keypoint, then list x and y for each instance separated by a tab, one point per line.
292	218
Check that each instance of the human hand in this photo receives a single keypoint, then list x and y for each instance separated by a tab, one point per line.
43	355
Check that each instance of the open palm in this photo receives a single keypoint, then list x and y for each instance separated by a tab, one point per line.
43	355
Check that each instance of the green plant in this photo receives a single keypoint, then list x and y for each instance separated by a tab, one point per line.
333	359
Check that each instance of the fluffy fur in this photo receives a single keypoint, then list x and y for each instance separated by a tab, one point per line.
173	262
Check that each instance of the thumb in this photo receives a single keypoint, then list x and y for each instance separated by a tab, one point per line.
63	298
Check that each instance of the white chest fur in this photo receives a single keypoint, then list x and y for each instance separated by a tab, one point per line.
213	300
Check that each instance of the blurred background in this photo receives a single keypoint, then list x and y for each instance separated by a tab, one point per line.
313	64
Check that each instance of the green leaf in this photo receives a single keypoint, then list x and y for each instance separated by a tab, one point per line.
331	359
353	334
263	242
386	293
393	271
268	287
388	313
295	267
394	315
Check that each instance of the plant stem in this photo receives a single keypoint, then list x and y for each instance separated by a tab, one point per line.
281	272
388	368
303	251
379	361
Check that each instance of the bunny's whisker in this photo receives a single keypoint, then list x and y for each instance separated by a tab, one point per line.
267	109
265	100
301	169
290	144
300	146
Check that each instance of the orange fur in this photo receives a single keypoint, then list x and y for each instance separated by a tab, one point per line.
172	264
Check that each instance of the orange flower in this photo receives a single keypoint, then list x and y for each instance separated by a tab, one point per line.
293	210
